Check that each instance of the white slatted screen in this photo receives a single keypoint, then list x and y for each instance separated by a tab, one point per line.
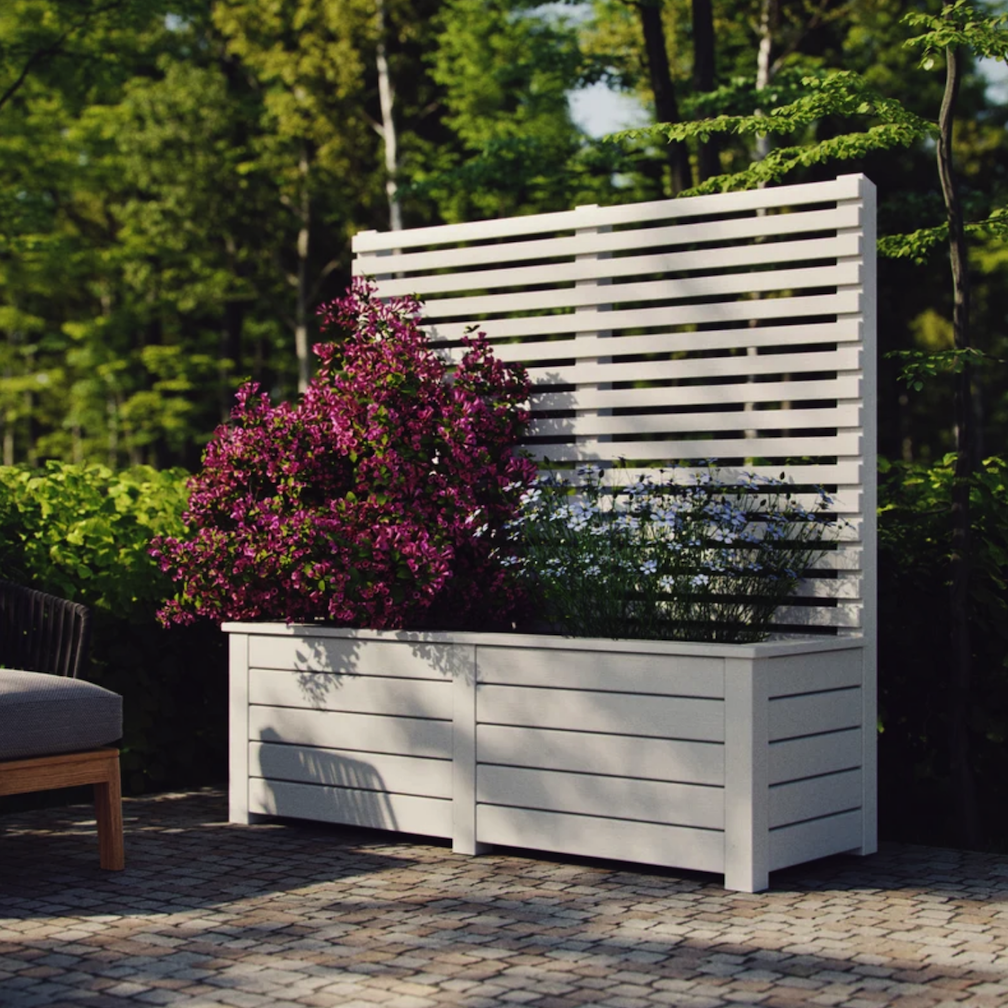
736	327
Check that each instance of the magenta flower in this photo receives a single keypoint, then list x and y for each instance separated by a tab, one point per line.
357	505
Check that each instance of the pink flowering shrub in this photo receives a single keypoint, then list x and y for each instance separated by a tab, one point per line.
378	500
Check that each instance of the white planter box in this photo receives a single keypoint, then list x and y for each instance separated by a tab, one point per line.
732	759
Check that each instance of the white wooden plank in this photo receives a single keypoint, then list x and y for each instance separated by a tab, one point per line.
680	341
359	732
718	285
396	658
841	615
613	671
843	187
614	755
817	838
722	312
681	423
868	316
809	674
814	797
595	268
607	797
373	809
701	448
238	728
794	759
558	247
829	474
814	713
463	771
746	849
847	588
588	836
842	388
346	768
608	713
352	694
843	359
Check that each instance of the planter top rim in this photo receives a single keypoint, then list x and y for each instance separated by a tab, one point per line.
764	649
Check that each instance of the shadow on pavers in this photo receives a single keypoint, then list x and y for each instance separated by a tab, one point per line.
181	853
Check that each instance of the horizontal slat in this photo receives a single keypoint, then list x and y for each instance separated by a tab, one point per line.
599	243
404	813
584	268
646	758
790	845
815	797
842	359
794	759
848	615
396	658
843	387
845	187
588	836
844	473
793	675
595	346
681	423
844	273
608	713
344	768
701	448
358	732
845	301
615	671
606	797
351	693
813	713
847	588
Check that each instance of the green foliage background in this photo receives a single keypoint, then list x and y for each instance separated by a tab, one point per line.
914	652
82	532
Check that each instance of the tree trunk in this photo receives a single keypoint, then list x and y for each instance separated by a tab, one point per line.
301	308
230	352
967	813
768	18
666	107
386	97
708	162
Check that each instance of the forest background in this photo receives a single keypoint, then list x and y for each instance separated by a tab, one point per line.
179	183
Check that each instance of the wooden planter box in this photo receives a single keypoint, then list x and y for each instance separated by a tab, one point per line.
731	759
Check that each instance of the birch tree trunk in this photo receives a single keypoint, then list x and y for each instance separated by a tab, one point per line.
386	98
708	163
768	17
303	249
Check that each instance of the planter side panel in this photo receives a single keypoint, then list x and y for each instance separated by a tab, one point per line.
816	764
351	731
602	753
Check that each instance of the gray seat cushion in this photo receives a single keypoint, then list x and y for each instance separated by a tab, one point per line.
42	715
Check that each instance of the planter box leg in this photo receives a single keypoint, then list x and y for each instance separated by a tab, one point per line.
464	757
747	785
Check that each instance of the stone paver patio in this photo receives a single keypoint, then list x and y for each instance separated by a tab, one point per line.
293	914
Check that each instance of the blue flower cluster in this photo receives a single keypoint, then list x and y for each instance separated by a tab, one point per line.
687	555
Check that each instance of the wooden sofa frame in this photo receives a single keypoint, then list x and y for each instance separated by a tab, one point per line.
43	633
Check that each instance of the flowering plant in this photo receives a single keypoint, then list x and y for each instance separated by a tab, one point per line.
694	559
379	500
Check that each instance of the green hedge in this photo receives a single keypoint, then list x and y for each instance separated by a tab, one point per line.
82	532
916	799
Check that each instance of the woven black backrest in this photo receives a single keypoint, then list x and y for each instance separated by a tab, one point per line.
42	633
